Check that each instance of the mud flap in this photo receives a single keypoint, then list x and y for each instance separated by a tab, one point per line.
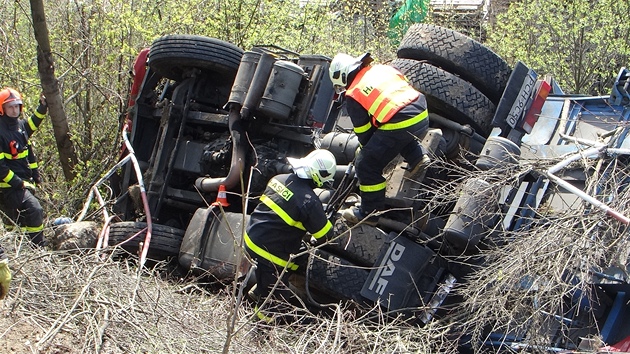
211	243
405	274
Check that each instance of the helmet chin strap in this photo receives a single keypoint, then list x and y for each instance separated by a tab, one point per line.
339	89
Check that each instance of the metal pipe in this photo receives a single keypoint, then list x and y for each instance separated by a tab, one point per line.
237	130
257	87
237	165
143	194
585	153
464	129
578	192
88	201
580	140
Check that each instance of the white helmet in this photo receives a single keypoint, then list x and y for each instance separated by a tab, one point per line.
320	166
340	67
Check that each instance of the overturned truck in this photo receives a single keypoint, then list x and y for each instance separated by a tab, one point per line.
208	120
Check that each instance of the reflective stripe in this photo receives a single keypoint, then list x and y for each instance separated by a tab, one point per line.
405	123
261	316
33	165
20	155
31	124
281	213
363	128
34	228
1	156
383	104
372	187
382	91
268	256
324	230
9	176
4	185
282	190
40	115
378	97
289	220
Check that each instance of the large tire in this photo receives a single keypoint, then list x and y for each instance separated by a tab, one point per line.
457	54
360	244
170	55
165	240
449	95
336	277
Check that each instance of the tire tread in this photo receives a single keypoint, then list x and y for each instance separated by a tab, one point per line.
458	54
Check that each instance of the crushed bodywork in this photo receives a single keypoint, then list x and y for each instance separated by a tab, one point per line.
509	153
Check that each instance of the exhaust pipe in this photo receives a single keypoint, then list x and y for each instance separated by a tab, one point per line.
239	151
237	113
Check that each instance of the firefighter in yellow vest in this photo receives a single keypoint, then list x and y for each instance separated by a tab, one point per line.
19	174
288	209
389	118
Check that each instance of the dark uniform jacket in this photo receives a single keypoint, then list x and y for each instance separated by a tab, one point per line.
288	209
17	161
360	116
412	105
388	116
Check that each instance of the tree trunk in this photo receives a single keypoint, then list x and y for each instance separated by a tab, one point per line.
50	86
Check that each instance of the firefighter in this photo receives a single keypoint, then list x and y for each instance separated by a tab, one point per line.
389	118
5	274
288	209
19	175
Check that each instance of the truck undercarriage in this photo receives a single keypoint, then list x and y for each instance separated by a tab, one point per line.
209	116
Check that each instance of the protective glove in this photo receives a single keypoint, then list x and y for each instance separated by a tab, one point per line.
357	152
315	242
5	278
43	104
30	186
37	178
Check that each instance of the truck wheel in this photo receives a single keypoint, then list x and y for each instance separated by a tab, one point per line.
170	55
165	240
336	277
360	244
457	54
448	95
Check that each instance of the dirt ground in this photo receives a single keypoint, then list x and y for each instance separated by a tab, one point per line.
18	336
81	302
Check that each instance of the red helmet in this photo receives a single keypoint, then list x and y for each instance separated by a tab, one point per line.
9	95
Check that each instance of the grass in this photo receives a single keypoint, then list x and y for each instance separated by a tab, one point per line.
90	302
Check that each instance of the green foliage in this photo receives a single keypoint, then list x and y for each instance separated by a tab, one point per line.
470	22
95	42
408	13
582	43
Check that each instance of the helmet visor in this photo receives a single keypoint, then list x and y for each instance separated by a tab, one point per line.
13	103
299	167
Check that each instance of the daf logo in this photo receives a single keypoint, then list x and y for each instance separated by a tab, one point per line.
386	268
